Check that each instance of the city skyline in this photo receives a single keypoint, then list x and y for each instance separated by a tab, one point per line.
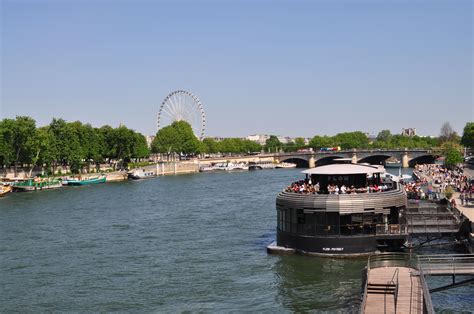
290	69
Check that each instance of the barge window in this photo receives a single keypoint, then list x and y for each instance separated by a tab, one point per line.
288	220
300	218
309	225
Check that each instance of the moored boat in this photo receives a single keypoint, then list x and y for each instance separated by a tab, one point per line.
285	165
5	189
207	168
37	184
141	174
261	165
86	181
341	210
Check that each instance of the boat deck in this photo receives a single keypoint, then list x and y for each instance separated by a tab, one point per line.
382	297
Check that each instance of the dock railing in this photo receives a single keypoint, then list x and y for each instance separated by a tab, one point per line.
446	264
391	229
399	260
391	260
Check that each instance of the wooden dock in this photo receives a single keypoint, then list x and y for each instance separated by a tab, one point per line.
393	290
395	282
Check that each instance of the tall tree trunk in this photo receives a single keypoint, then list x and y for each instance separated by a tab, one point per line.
16	160
35	160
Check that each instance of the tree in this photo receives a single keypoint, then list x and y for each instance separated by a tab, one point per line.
7	152
24	129
452	153
321	141
447	133
211	145
384	136
140	147
177	137
251	146
272	143
348	140
468	135
300	142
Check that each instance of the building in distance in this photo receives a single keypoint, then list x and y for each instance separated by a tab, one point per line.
149	140
409	132
258	138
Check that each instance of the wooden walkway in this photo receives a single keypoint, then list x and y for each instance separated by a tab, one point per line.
381	295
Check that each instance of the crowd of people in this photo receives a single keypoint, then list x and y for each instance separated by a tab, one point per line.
436	178
306	187
415	190
431	182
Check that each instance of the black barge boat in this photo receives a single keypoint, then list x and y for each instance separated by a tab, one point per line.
341	209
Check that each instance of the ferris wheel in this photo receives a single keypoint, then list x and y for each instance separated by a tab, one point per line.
182	105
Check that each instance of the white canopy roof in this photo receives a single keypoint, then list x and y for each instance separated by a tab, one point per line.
345	169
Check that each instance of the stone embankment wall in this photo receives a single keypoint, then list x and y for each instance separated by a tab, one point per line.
245	159
167	168
23	172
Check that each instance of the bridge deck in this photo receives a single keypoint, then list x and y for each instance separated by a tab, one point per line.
409	297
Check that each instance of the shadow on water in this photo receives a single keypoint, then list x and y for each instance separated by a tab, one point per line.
309	283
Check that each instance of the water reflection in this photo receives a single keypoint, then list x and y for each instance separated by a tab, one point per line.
309	283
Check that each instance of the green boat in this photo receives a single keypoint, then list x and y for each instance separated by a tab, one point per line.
36	185
90	180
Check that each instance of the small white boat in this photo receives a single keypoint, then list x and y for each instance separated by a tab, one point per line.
285	165
236	166
138	174
400	177
261	165
207	168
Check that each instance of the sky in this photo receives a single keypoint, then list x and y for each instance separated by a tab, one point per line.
290	68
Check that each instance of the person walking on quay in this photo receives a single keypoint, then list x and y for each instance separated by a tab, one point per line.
461	196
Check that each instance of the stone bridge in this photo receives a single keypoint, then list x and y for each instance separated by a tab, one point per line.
407	157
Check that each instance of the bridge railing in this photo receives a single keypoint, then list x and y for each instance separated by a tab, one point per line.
446	264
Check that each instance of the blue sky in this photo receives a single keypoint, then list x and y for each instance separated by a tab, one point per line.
296	68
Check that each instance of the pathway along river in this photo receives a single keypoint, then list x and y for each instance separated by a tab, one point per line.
175	243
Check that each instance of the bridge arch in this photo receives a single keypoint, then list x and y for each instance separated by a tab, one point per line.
423	159
326	160
374	159
300	162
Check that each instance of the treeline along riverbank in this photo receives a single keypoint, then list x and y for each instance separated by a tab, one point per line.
75	145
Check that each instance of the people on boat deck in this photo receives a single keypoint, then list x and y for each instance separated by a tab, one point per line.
306	187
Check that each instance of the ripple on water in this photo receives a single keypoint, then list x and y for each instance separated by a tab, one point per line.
171	244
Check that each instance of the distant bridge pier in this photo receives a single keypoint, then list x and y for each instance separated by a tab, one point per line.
405	163
311	162
354	158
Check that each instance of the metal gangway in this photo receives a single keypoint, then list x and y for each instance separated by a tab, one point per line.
393	285
396	282
448	265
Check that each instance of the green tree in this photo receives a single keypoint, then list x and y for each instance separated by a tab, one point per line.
211	145
468	135
300	143
452	153
272	143
24	131
348	140
318	142
7	152
177	137
384	136
140	147
251	146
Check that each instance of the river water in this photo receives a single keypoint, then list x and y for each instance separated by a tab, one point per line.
170	244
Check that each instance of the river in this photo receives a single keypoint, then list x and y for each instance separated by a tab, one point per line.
169	244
